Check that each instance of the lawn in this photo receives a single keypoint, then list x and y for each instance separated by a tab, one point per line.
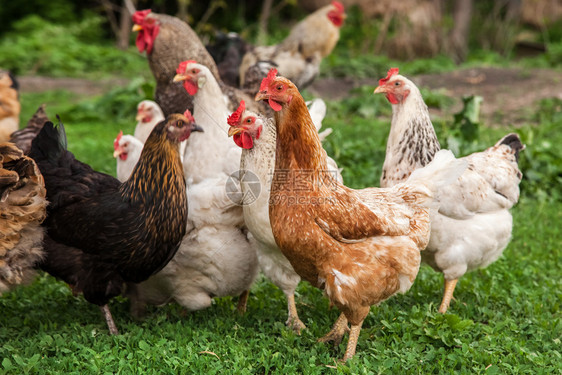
505	319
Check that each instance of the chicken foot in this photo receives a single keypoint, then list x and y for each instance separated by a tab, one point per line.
352	342
337	332
109	320
447	295
242	302
293	321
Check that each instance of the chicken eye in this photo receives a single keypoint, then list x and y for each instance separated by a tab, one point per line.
179	124
249	120
194	71
279	88
397	83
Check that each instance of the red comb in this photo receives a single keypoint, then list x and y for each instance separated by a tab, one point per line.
234	118
189	115
182	67
116	142
391	72
339	6
267	80
140	15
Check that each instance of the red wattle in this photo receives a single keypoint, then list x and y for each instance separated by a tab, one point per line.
190	87
392	98
243	140
140	43
274	105
123	156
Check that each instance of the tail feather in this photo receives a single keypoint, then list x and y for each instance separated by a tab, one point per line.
50	143
514	142
443	170
23	137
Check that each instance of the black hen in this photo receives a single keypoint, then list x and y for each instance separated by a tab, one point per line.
101	233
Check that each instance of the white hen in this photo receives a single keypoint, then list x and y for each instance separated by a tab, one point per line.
473	224
257	136
127	151
149	115
215	258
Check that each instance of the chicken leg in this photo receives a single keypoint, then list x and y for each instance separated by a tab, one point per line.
293	321
352	342
242	302
337	332
109	320
447	295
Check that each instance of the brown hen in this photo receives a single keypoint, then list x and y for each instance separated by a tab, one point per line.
22	209
360	246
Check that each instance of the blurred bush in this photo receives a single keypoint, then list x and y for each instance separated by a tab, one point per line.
37	46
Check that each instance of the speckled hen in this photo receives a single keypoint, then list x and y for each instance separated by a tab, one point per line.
473	225
168	41
257	135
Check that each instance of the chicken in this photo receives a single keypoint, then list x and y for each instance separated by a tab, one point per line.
9	106
227	52
23	208
23	137
360	246
101	233
211	113
216	257
256	136
473	225
169	41
299	56
149	115
127	151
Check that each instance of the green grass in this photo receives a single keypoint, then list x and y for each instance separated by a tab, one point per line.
506	316
505	319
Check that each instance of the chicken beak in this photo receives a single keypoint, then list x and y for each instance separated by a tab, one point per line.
180	77
117	152
139	117
261	95
136	28
196	128
379	90
234	130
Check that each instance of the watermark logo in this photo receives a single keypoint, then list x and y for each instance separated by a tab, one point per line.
251	191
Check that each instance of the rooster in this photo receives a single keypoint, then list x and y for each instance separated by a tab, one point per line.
127	151
169	41
473	225
256	136
299	56
360	246
101	233
23	208
149	115
9	105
